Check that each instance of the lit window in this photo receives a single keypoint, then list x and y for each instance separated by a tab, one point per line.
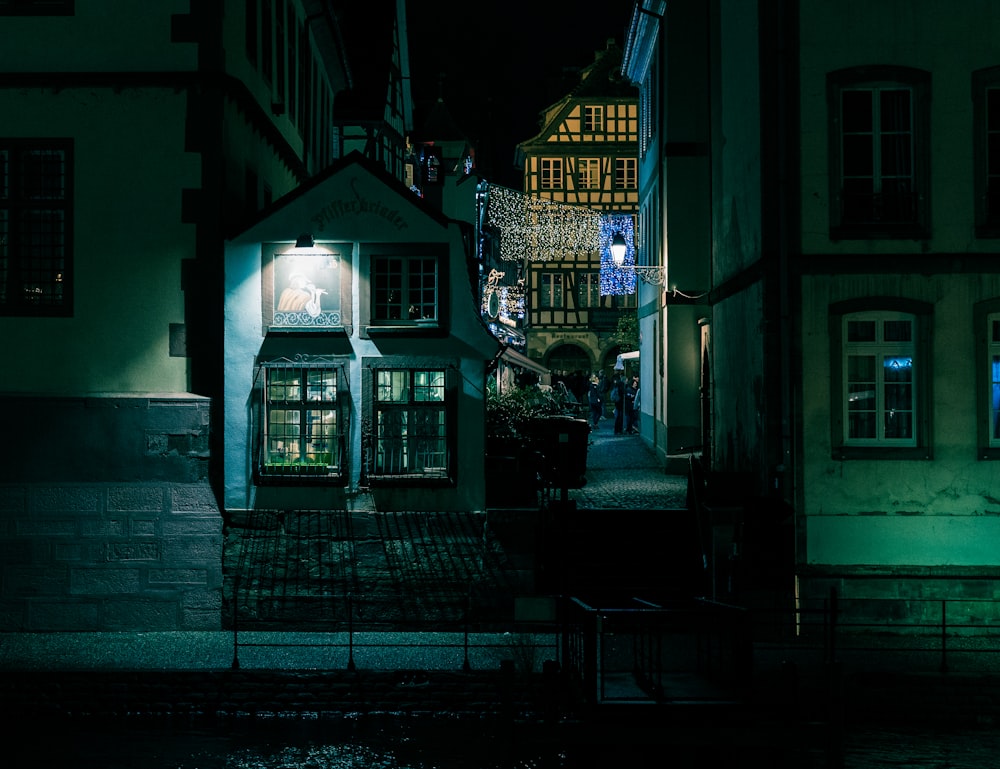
410	424
589	173
551	174
302	422
404	288
593	119
35	214
625	173
551	290
879	154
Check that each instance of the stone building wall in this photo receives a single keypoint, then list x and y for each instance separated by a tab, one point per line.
107	518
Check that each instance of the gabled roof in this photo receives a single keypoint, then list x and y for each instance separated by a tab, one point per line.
601	79
354	158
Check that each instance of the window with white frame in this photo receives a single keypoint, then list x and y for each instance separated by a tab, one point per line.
404	287
593	118
626	175
588	173
550	290
410	423
880	383
588	289
551	173
879	152
986	315
302	423
35	224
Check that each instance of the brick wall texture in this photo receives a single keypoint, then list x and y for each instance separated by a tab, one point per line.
125	534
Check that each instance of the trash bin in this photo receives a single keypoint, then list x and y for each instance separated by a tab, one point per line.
563	442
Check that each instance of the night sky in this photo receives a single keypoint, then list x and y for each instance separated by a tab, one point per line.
498	63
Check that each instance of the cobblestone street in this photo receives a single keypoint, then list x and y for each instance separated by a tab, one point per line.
624	474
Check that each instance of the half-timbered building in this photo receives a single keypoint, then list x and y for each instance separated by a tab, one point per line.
585	155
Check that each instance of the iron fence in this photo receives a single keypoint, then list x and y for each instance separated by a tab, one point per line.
916	632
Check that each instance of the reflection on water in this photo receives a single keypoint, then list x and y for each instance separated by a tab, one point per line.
406	743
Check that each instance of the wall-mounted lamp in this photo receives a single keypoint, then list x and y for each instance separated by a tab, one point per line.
653	275
305	240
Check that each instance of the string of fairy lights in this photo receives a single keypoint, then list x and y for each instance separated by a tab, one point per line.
538	229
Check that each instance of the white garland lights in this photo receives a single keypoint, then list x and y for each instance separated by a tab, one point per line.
542	230
539	229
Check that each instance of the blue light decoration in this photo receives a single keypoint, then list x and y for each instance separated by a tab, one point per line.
615	281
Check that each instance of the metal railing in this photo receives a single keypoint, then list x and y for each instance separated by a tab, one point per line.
430	645
645	652
919	633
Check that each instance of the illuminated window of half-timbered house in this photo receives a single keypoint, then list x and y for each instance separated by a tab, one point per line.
626	173
551	173
593	118
588	172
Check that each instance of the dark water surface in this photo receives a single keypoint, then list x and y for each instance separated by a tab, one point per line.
388	742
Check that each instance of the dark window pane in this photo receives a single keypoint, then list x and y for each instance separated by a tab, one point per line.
896	155
895	110
898	330
861	424
993	109
858	155
897	203
857	111
993	152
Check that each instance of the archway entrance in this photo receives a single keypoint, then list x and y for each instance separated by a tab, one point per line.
568	359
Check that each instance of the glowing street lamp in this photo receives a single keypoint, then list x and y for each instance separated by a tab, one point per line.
656	276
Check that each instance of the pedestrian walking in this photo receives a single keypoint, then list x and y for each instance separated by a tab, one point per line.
632	406
618	398
596	401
